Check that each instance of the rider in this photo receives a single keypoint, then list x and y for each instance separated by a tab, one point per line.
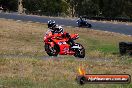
81	20
58	29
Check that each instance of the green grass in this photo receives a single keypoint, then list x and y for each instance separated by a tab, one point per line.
52	73
23	63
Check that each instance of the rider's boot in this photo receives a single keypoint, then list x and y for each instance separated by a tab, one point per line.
73	44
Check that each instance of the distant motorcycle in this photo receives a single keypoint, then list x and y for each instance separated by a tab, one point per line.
83	23
55	45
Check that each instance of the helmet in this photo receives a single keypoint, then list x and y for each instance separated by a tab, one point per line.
51	24
59	29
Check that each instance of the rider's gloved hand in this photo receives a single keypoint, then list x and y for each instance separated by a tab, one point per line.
66	35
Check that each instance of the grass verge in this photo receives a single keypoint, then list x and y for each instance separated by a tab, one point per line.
55	73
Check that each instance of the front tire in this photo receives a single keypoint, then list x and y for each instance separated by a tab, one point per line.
51	51
80	52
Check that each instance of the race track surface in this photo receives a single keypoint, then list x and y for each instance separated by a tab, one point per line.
118	28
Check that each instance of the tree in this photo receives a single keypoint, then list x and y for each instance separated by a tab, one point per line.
52	7
10	5
105	8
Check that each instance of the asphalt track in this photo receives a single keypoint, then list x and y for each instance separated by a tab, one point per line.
111	27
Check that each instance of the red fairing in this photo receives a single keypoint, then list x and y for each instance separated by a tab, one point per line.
74	36
57	44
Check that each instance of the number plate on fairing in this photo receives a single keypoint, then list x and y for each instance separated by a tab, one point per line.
60	43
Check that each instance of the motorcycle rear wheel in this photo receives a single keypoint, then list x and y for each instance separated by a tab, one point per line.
51	51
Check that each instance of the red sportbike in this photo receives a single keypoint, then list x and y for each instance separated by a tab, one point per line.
56	44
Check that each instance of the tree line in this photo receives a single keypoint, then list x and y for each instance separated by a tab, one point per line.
103	8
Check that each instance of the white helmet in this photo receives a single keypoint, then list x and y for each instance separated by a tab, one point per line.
59	29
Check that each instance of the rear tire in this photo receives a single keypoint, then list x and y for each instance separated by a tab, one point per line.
80	52
51	51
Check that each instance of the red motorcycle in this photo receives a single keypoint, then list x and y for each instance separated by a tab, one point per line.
56	44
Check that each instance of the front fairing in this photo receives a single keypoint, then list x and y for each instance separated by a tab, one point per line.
78	21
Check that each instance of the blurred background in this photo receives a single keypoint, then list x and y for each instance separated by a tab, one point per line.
71	8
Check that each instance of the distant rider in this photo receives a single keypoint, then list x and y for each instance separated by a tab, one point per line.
81	20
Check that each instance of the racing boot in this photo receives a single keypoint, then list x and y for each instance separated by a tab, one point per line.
73	44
